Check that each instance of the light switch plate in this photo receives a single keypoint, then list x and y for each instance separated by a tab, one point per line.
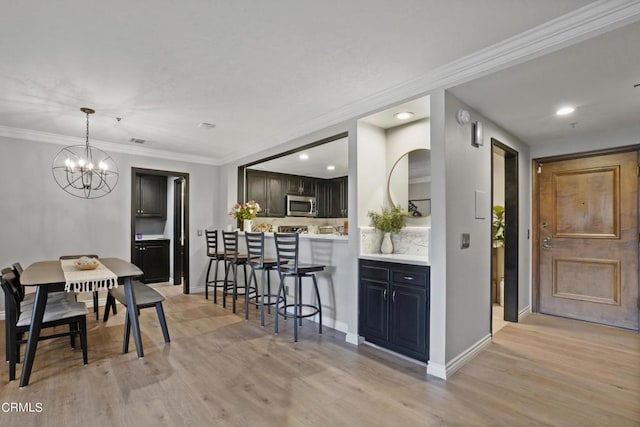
465	240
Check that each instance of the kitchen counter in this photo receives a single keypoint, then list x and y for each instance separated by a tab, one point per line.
304	236
399	258
152	237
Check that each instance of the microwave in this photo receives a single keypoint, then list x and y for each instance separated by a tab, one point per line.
301	205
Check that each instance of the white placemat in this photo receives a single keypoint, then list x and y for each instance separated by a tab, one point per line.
87	280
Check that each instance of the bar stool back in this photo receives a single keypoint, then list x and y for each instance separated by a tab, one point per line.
257	261
288	265
233	260
214	256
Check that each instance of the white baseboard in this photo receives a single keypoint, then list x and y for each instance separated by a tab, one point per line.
401	356
524	313
437	370
460	360
354	339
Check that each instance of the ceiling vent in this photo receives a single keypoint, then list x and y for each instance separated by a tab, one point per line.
205	125
137	140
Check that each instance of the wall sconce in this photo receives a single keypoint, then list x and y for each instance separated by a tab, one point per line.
476	134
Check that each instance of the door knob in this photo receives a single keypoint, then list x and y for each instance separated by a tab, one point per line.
546	243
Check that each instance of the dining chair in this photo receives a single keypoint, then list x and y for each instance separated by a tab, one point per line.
258	261
27	300
233	259
146	297
18	319
95	293
288	265
214	256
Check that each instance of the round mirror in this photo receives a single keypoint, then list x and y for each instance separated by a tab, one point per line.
409	184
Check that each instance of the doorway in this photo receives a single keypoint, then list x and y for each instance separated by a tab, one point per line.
160	225
505	235
586	237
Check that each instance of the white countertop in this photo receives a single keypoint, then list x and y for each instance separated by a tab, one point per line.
312	236
399	258
152	237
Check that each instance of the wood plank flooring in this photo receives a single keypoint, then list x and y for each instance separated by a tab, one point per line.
221	370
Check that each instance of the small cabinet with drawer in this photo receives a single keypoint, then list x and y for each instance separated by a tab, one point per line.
152	257
394	307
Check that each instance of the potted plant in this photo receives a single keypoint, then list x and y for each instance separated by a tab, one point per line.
388	221
246	212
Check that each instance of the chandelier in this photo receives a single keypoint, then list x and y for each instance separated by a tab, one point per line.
84	171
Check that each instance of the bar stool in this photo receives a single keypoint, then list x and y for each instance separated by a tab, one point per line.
233	259
287	248
257	261
214	256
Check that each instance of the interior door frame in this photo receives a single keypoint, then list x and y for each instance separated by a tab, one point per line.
134	194
511	230
535	214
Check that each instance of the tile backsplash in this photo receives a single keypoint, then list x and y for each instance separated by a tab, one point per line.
409	241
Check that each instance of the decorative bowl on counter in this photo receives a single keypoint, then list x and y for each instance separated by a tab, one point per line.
326	229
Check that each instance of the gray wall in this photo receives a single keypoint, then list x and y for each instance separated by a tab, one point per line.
38	220
468	274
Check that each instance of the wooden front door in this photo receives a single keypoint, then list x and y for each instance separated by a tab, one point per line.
588	239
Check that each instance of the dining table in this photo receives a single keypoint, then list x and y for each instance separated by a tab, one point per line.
48	276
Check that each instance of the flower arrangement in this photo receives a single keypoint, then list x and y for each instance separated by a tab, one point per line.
244	211
389	220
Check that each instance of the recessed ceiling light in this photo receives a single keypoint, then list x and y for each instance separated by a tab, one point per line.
303	156
205	125
331	167
404	115
564	111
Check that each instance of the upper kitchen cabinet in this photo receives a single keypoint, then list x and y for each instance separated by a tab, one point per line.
152	196
268	189
338	197
301	185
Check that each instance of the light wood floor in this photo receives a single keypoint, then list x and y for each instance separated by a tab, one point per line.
221	370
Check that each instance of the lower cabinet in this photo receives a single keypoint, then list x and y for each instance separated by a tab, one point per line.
394	307
152	257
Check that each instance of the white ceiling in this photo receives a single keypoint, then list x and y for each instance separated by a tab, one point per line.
421	109
261	71
335	153
596	76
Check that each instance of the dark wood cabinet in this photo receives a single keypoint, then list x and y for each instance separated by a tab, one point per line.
301	185
152	196
322	199
338	197
394	307
152	257
268	189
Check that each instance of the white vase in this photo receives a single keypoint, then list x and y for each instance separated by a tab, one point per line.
387	245
247	225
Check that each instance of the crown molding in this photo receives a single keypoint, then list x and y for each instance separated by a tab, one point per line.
111	147
588	21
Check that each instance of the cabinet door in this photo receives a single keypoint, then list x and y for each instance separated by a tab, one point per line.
155	257
322	199
344	196
137	256
335	202
152	194
308	186
374	312
257	189
408	321
276	195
